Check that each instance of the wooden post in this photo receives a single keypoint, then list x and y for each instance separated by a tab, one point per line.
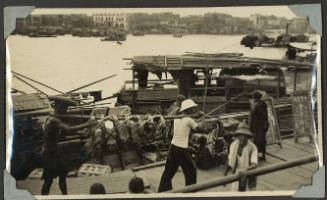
206	80
295	77
120	147
133	81
242	183
278	89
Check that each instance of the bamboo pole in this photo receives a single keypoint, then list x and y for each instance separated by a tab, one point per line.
92	83
88	105
254	172
32	86
15	90
227	102
35	81
149	166
106	98
16	74
122	117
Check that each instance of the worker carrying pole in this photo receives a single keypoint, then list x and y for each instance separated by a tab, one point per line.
53	162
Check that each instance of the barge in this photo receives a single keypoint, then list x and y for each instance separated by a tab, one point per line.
138	144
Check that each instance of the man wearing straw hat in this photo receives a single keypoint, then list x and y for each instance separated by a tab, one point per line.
243	155
178	154
53	163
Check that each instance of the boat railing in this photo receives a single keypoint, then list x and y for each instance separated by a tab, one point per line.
251	173
152	81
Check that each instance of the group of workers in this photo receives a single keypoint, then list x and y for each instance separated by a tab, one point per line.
243	153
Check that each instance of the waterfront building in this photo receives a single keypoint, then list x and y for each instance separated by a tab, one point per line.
299	25
268	22
115	20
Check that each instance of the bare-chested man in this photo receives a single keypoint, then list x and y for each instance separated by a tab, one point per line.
53	163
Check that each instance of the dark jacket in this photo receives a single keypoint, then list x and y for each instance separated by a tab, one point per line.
259	117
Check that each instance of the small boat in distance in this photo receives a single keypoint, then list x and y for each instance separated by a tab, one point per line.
138	33
115	37
178	35
112	39
42	33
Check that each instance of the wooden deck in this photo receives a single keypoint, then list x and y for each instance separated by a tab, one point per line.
289	179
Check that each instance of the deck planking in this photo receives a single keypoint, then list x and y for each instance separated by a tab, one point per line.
288	179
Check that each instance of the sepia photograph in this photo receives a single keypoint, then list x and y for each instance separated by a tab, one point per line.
162	101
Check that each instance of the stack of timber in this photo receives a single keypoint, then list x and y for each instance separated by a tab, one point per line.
213	55
162	63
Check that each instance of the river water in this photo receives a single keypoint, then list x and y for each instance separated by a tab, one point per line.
67	62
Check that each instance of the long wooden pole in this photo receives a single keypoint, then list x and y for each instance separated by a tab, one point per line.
32	86
92	105
35	81
254	172
123	117
92	83
224	104
106	98
16	74
15	90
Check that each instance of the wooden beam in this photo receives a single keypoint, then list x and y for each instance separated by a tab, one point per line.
149	166
255	172
92	83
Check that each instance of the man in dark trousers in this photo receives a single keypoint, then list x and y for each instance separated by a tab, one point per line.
259	123
53	163
178	154
291	53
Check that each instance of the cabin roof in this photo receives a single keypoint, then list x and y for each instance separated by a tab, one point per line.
208	61
28	104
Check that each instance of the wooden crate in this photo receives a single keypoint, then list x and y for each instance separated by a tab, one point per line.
94	170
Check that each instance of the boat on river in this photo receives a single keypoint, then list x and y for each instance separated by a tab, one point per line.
178	35
115	37
138	144
212	79
257	40
138	33
42	33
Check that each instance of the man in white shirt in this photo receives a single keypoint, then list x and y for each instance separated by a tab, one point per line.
178	154
243	156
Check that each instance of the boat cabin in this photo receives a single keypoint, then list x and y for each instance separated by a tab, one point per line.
210	80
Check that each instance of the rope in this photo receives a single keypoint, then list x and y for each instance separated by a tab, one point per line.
227	46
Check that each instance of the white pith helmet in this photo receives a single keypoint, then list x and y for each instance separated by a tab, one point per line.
186	104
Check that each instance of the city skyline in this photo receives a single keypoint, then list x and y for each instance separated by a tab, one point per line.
280	11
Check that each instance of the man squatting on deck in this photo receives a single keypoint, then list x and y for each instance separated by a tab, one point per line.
178	154
53	163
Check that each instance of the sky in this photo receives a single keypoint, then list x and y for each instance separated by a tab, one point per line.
281	11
